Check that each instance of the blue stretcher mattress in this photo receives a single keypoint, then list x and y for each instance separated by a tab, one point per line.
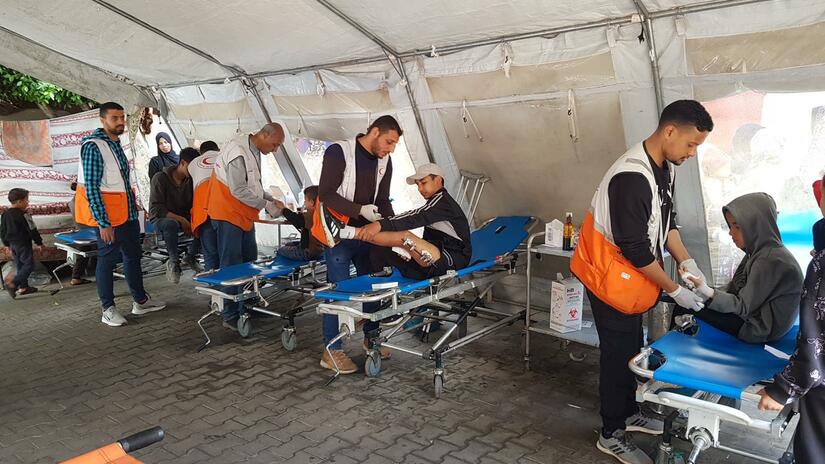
278	267
501	236
715	362
84	236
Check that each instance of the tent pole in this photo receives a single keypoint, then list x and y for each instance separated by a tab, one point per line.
676	11
235	71
647	28
232	70
400	68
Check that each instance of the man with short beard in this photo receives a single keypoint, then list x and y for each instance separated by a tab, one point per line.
105	200
355	184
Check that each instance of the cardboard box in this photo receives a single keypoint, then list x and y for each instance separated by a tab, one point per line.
566	302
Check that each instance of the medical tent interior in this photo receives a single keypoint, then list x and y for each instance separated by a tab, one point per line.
541	96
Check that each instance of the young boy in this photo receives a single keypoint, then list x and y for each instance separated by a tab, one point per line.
17	232
446	242
308	247
802	378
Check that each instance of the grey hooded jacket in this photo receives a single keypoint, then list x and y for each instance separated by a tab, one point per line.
766	286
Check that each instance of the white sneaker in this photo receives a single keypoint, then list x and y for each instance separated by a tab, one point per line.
112	318
148	306
640	422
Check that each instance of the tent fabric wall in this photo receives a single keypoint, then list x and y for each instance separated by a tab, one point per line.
515	66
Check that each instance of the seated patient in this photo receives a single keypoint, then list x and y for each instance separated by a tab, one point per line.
446	242
761	302
170	206
308	247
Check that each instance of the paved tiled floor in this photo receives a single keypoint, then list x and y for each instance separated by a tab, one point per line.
70	384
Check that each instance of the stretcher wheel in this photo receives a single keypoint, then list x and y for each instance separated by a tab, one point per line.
245	326
372	366
289	340
438	385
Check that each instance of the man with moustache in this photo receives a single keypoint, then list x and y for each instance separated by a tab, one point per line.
105	200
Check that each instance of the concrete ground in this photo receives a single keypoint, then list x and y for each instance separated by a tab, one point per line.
70	384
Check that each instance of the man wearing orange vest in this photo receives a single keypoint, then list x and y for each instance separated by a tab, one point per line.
201	172
355	182
236	197
105	200
619	261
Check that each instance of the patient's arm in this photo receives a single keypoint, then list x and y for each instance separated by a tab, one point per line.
422	252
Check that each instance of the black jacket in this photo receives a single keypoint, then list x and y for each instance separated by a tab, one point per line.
17	226
332	174
308	242
445	226
807	365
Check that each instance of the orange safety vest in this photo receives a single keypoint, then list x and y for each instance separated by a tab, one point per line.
598	262
200	169
112	190
222	205
347	187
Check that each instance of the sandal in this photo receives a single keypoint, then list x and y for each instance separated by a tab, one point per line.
26	291
80	282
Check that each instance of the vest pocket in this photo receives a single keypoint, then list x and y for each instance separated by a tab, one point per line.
625	288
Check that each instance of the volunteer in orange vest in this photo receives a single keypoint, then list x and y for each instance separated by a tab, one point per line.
201	172
355	184
105	200
236	197
619	261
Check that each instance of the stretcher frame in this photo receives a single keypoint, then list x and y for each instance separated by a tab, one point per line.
265	290
705	414
437	293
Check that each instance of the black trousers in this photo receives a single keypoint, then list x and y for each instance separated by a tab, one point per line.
620	338
726	322
809	440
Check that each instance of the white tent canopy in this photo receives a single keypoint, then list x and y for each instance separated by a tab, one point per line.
540	95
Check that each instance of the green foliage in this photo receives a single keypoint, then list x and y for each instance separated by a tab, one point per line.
21	90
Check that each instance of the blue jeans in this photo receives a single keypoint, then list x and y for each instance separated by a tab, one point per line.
235	246
294	251
338	260
170	231
209	245
23	255
128	247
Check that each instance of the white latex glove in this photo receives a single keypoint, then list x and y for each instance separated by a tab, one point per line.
689	266
687	299
370	213
704	291
272	209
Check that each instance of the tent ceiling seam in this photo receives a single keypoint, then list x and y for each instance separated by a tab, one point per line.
675	11
111	74
401	69
135	20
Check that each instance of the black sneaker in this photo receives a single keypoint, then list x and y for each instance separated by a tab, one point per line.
332	226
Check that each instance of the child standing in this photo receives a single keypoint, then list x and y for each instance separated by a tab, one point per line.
17	231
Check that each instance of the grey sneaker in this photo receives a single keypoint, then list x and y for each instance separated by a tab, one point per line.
622	448
173	271
148	306
193	263
112	318
640	422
